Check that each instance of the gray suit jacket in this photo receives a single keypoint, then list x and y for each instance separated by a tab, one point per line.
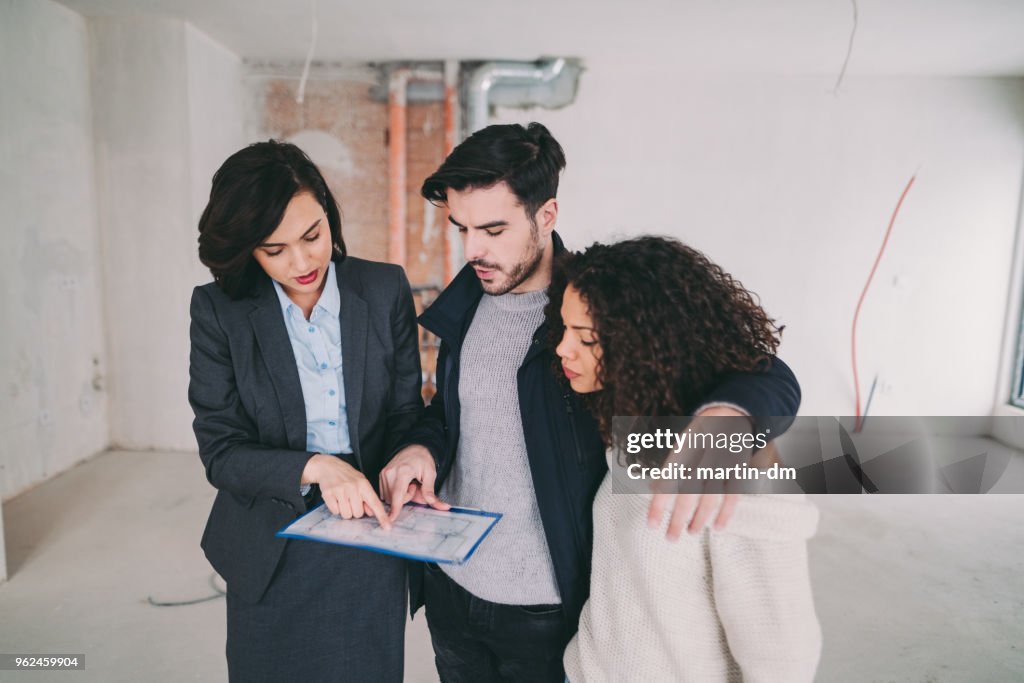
250	418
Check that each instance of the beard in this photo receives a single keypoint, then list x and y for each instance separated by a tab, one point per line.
522	271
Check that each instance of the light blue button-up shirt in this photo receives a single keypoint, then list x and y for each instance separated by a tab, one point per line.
316	344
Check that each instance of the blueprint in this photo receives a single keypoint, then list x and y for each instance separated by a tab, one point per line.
419	533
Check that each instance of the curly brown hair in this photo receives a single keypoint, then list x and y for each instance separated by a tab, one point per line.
669	321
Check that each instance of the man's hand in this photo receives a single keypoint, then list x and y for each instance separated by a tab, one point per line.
345	490
692	511
695	508
410	477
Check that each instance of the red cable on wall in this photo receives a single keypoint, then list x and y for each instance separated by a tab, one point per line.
860	302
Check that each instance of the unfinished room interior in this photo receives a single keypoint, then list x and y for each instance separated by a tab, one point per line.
858	165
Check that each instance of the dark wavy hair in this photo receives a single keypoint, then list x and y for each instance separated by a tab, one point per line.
247	201
527	159
669	321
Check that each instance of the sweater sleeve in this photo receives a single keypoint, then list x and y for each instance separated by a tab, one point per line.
762	593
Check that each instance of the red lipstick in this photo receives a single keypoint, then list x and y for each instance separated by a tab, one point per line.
308	279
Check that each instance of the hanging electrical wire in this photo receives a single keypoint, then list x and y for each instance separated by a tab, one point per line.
218	593
309	60
856	314
867	404
849	51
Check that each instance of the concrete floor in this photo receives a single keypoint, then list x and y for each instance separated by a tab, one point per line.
908	588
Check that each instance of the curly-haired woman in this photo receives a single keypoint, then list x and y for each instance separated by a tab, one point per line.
645	327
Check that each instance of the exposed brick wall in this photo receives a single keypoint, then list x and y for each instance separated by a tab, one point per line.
344	111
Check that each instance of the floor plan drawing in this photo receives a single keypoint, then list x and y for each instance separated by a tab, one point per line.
420	533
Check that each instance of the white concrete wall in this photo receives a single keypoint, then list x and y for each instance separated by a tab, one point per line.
168	111
216	118
791	188
53	365
784	183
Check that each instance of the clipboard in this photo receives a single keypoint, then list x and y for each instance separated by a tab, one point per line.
419	533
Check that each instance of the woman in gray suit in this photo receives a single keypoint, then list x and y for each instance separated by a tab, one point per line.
304	372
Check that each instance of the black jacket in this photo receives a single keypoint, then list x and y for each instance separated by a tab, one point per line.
566	454
250	417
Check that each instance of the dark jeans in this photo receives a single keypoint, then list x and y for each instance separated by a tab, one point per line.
476	640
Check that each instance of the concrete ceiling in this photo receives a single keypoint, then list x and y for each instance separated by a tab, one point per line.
919	37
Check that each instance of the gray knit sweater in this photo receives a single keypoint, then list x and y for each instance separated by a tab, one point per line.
491	471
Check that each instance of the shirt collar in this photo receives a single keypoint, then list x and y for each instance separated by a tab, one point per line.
330	299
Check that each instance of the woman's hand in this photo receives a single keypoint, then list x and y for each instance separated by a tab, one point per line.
345	490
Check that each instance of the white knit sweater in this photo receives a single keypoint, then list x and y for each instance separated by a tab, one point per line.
733	605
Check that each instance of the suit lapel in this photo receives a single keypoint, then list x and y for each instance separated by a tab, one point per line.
272	338
354	329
